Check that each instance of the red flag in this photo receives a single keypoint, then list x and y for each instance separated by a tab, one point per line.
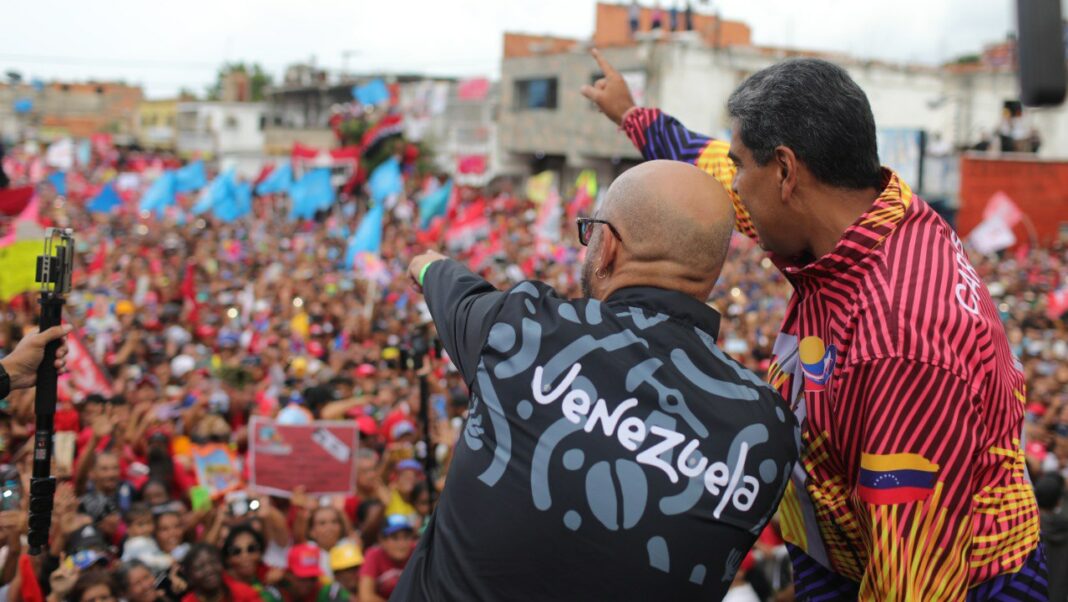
348	153
470	225
301	151
85	375
1000	205
14	200
473	89
1057	303
97	263
389	125
471	164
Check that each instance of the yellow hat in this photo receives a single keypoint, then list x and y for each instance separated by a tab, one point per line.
124	307
345	556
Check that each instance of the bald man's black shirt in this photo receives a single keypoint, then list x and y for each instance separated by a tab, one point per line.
611	451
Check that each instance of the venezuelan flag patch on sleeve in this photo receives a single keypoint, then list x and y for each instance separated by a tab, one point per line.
895	478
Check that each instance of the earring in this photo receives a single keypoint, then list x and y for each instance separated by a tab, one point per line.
602	274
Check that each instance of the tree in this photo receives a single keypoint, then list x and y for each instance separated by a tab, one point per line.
259	80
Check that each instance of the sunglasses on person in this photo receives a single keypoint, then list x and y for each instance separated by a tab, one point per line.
249	549
586	229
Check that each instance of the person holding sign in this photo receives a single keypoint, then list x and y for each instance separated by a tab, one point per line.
611	450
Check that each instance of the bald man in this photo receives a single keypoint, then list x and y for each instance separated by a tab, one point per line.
611	451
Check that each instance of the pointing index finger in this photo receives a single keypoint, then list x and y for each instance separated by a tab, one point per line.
606	67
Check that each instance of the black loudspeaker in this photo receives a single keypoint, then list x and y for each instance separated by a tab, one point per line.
1041	55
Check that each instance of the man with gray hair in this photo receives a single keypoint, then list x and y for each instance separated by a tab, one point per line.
611	451
912	483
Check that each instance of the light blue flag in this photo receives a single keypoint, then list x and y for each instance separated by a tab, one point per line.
372	93
105	201
279	180
191	177
160	194
434	204
217	193
385	180
238	204
368	235
311	193
59	180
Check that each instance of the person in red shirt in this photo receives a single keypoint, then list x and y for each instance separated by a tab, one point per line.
384	563
203	569
912	482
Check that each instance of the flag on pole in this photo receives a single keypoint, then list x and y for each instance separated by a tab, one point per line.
538	186
372	93
368	236
216	193
190	177
385	180
312	193
1002	206
1057	303
585	192
433	204
279	180
58	180
18	253
105	200
161	194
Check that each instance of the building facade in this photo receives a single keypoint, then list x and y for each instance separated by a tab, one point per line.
157	124
50	111
230	132
545	122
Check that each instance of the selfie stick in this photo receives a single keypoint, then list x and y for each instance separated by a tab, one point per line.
53	273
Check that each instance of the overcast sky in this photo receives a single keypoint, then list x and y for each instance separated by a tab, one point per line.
168	45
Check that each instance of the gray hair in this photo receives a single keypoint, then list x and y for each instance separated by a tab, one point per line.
815	109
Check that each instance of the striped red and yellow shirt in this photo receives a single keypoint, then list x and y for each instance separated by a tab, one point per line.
911	484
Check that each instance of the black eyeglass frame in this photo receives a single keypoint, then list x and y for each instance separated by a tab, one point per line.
583	222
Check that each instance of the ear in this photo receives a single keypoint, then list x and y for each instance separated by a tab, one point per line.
786	162
609	251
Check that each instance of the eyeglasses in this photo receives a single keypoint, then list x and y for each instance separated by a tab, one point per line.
249	549
585	229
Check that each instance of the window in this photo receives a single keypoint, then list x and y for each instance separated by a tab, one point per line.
230	122
535	94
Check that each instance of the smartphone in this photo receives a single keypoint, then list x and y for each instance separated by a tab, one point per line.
11	495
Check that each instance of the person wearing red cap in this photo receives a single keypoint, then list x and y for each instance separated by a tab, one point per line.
304	575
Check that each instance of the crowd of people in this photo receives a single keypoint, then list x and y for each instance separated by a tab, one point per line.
199	325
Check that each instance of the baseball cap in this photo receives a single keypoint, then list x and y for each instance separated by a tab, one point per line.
303	561
365	370
395	523
86	538
401	429
408	465
87	558
367	425
345	556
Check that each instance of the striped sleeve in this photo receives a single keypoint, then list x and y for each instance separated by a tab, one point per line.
660	136
918	435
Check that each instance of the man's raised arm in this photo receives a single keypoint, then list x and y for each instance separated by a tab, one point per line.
660	136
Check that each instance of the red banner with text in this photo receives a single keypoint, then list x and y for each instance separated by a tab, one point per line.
321	456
